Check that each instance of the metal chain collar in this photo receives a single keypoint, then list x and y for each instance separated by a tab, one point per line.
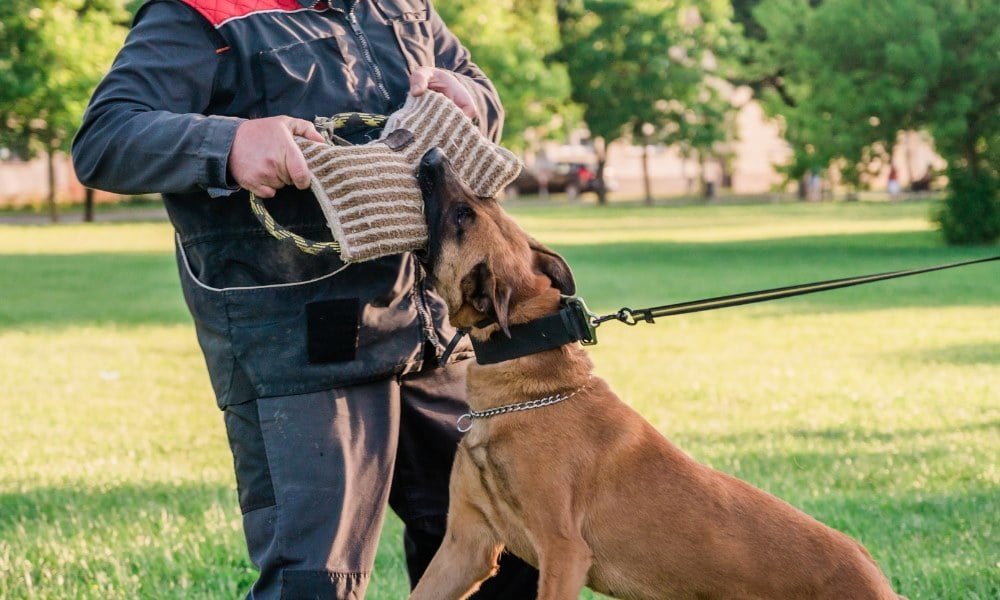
509	408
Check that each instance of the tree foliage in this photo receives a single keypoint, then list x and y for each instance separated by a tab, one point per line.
857	73
52	54
641	64
510	40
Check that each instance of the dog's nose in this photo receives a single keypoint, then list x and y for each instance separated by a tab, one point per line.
431	167
433	159
430	171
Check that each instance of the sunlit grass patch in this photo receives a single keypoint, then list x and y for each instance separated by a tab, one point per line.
874	409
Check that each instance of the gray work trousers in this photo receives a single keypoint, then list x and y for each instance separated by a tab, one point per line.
316	471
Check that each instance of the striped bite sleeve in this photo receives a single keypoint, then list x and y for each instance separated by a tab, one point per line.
370	198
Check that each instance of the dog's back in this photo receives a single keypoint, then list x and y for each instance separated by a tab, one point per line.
662	525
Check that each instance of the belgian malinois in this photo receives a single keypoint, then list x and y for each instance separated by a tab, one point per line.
586	489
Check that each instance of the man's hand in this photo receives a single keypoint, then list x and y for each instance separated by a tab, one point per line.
264	157
445	82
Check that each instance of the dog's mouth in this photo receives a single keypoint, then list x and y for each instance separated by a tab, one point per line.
430	177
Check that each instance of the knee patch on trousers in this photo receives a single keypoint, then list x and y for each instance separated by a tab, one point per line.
253	475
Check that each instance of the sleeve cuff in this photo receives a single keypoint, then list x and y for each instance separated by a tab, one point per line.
214	154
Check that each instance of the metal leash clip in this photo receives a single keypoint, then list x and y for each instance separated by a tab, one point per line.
585	319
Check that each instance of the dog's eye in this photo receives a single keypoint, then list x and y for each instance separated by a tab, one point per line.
463	215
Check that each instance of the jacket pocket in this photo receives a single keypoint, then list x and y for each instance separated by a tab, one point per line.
297	79
306	336
278	339
410	21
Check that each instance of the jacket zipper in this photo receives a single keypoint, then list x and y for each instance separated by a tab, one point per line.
366	51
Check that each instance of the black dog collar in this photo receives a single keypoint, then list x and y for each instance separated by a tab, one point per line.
573	323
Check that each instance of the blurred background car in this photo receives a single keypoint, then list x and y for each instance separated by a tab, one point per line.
572	179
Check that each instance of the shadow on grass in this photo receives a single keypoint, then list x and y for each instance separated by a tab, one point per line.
985	353
59	290
851	435
75	509
131	289
931	544
142	541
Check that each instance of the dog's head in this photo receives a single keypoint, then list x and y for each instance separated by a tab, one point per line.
483	264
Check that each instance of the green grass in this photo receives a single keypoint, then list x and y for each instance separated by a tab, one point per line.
874	409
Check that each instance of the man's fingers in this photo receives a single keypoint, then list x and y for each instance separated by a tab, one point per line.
445	82
263	191
265	157
448	84
420	79
465	103
304	129
293	169
298	170
284	178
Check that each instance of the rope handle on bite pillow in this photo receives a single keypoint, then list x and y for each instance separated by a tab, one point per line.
279	232
327	126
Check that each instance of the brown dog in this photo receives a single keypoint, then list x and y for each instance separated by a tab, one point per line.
586	489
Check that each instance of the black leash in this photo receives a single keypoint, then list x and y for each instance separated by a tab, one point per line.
631	316
575	323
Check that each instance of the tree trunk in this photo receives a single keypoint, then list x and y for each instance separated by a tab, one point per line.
53	208
601	149
688	180
88	205
706	193
645	174
727	174
909	157
971	154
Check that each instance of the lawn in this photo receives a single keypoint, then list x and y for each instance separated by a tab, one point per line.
875	409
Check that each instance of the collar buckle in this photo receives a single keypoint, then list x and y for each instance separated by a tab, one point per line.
586	320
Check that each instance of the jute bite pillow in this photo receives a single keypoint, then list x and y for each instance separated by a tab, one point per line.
369	193
369	196
436	122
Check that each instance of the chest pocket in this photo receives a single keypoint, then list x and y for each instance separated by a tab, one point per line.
410	20
306	79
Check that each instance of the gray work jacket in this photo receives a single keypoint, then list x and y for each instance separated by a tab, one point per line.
270	319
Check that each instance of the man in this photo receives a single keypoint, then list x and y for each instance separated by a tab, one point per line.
334	405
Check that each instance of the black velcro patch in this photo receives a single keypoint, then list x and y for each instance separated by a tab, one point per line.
332	330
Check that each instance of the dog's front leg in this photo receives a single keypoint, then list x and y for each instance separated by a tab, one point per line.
467	557
563	563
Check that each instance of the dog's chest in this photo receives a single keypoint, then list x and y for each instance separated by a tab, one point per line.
492	487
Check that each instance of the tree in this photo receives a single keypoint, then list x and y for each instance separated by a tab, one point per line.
636	64
51	57
512	50
699	127
860	72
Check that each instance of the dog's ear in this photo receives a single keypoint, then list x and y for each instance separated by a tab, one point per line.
553	266
488	295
